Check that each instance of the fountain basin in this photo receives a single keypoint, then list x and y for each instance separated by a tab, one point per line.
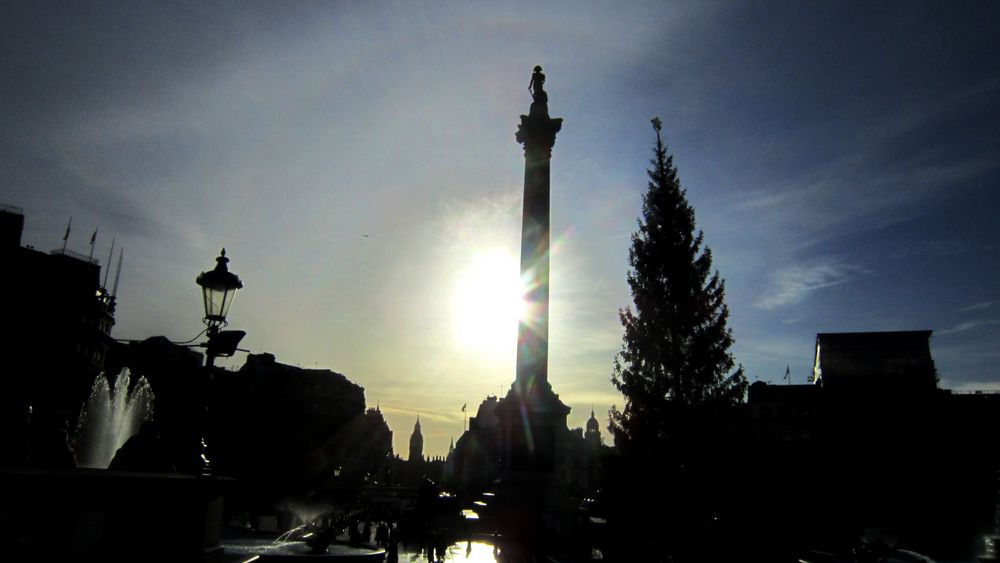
267	550
103	515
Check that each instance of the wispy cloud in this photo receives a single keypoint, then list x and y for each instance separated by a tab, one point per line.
793	283
425	414
884	176
969	325
977	306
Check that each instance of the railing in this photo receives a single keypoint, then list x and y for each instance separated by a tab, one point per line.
977	392
76	255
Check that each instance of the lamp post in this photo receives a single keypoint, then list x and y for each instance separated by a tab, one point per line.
218	288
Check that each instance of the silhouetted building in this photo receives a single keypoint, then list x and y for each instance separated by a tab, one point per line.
59	319
581	466
586	472
11	226
365	445
286	429
416	444
412	471
894	362
477	452
593	434
873	445
476	462
448	471
784	414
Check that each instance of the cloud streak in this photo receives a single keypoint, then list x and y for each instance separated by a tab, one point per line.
792	284
969	325
977	307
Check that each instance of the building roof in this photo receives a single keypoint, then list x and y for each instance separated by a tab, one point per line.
867	358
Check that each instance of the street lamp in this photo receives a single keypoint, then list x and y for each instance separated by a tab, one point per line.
218	288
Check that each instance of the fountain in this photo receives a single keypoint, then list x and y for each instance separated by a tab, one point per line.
110	417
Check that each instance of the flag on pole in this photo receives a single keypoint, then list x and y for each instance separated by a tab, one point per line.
463	407
93	239
68	225
788	373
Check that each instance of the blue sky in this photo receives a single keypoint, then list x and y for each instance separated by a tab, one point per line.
843	160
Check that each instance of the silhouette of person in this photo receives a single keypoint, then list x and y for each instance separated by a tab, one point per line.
393	555
353	533
382	535
537	86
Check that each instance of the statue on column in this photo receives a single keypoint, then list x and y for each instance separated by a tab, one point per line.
536	128
537	86
540	103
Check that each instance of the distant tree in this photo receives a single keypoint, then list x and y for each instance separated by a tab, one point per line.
680	382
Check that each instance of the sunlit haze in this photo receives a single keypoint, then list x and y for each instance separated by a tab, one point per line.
488	303
357	161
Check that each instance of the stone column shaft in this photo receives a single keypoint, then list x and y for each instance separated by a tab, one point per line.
537	132
533	331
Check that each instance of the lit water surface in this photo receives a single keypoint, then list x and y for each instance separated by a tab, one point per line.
474	552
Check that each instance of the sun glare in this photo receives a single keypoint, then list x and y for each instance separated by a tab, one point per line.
488	302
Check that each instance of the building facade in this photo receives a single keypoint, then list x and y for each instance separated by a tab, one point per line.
874	446
59	321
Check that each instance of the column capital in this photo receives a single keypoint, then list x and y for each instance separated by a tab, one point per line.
537	132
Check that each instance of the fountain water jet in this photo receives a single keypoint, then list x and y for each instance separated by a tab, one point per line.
110	417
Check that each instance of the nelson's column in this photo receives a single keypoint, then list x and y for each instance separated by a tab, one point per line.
532	416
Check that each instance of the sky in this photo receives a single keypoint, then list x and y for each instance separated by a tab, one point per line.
357	161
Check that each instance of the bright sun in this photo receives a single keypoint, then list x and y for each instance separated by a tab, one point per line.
488	302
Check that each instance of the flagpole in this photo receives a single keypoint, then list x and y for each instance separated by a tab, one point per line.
93	239
66	235
107	267
118	272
